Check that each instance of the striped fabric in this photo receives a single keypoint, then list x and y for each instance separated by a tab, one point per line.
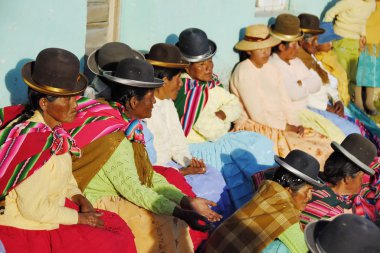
324	205
367	203
38	142
192	98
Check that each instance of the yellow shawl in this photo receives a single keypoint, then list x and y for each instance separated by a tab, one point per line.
331	64
373	31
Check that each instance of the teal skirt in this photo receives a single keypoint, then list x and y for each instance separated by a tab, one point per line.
368	74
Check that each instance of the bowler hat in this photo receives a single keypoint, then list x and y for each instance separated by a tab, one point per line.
358	150
301	165
329	34
348	233
195	46
310	24
287	28
55	72
134	72
166	55
109	55
257	37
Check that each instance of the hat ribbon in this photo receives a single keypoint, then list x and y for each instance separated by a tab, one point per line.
255	39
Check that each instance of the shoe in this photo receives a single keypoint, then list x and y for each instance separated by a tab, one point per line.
372	112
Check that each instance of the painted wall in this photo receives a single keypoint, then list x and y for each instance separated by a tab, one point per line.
26	28
144	23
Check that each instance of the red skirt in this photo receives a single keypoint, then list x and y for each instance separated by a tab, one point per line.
114	237
174	177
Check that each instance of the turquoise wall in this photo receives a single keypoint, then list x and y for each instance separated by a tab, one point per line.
144	23
26	28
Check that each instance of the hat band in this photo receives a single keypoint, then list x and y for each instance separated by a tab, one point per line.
45	88
129	82
287	37
199	57
167	64
255	39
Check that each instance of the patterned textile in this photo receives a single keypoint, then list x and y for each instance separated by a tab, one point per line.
254	226
191	99
38	142
367	203
324	204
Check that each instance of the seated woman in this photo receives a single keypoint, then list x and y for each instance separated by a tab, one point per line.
206	111
270	221
343	173
115	172
269	113
169	147
41	202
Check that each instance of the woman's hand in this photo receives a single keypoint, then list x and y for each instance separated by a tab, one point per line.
297	129
221	115
362	43
84	204
201	206
339	109
92	219
195	167
193	219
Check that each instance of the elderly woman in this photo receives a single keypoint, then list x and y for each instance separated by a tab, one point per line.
270	221
343	173
120	177
169	146
271	114
206	111
42	203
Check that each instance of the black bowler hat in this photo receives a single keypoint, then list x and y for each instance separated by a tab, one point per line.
55	72
195	46
134	72
301	165
358	150
109	55
348	233
166	55
310	24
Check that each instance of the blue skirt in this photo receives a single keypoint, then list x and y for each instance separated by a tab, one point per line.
368	74
238	156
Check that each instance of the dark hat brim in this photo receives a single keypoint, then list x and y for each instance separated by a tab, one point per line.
170	65
134	83
93	65
313	31
311	232
203	57
286	37
298	173
26	73
352	158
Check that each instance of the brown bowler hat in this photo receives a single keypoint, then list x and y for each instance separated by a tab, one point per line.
55	72
166	55
287	28
310	24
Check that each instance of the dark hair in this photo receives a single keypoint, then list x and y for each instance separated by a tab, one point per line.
123	93
287	179
33	105
338	167
161	72
276	49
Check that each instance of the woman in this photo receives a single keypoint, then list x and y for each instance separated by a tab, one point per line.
271	114
169	147
116	174
343	173
270	221
206	111
41	200
349	18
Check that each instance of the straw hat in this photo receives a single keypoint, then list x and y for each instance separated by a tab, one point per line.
287	28
257	37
